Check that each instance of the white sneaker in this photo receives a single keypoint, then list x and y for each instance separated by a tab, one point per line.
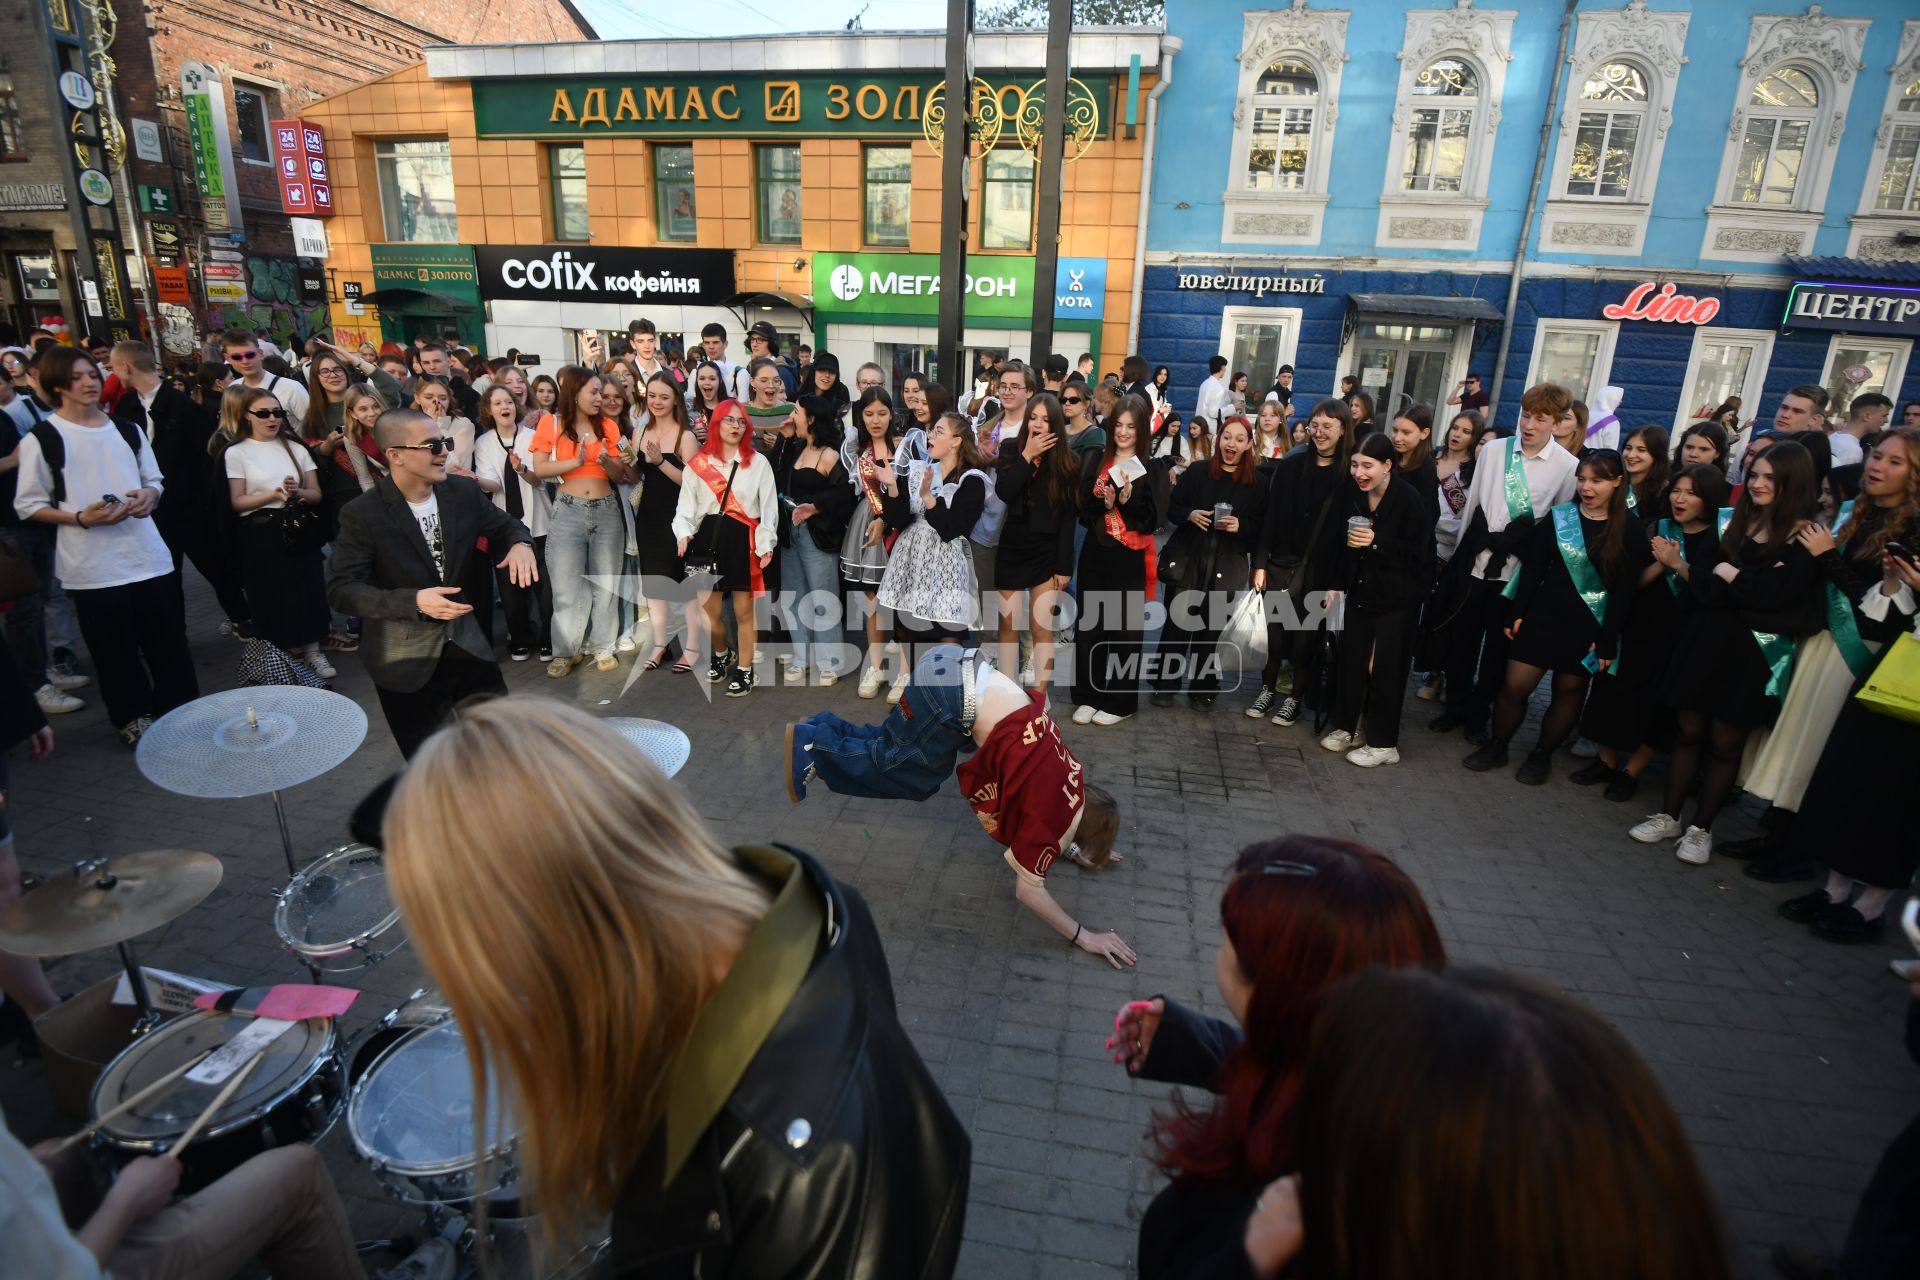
1339	740
55	703
1104	718
1083	714
898	689
317	661
870	681
1026	675
829	678
626	644
1696	847
893	646
1373	757
1585	749
759	657
1905	970
1657	827
67	681
795	674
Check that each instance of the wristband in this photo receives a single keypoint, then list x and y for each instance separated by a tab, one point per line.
80	519
1075	941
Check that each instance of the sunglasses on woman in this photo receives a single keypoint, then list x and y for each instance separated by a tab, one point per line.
436	446
1073	399
265	414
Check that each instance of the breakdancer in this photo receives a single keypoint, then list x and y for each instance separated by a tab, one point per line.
1023	783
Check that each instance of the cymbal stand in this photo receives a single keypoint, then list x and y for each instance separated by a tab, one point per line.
286	835
95	867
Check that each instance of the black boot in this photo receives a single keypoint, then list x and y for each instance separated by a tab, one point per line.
1535	769
1488	758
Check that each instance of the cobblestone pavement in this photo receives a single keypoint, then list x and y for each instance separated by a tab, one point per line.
1781	1053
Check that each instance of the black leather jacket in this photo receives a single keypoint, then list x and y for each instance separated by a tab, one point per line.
836	1156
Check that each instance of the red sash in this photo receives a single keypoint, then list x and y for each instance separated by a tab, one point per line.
708	469
870	482
1118	531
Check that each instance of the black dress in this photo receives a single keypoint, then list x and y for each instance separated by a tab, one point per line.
1216	565
1110	592
1289	538
1717	668
1036	541
1624	711
653	518
1559	628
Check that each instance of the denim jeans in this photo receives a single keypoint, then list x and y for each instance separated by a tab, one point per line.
26	622
910	754
585	539
813	576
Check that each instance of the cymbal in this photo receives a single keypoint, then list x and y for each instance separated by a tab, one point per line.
660	742
247	742
118	898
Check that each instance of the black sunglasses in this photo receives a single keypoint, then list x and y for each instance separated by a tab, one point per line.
1073	399
244	355
436	446
264	414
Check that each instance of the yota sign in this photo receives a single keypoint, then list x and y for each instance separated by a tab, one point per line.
908	284
583	273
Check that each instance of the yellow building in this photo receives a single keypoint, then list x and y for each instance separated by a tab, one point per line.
523	193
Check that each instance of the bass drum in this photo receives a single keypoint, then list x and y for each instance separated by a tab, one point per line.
294	1095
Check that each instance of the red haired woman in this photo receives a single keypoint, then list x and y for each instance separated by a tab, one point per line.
1299	914
728	516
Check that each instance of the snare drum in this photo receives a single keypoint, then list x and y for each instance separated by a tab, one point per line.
424	1008
411	1118
337	915
294	1095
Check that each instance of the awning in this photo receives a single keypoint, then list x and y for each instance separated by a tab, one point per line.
418	299
1876	270
1422	306
739	302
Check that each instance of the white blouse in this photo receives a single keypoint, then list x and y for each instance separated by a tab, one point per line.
752	487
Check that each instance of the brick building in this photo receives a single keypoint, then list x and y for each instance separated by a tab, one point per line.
266	60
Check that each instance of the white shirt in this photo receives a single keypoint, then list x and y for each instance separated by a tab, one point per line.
752	488
21	411
1213	396
427	515
1846	449
1549	475
39	1245
288	391
490	464
266	464
98	462
461	432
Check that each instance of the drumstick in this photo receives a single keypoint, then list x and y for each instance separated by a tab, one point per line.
219	1101
172	1077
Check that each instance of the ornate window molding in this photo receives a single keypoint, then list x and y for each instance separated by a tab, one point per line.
1580	217
1808	49
1876	229
1479	41
1315	39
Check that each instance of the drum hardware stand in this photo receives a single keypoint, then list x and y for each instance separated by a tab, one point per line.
95	867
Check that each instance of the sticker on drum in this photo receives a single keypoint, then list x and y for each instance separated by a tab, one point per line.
294	1095
337	915
411	1118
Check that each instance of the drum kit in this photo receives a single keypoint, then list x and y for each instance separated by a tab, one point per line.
403	1083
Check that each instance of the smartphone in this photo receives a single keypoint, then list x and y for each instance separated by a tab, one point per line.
788	502
111	499
1910	921
1900	551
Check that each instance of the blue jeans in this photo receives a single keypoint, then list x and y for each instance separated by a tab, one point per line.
813	576
585	539
908	756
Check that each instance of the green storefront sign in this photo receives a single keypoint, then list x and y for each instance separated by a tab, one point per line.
205	146
801	105
426	288
907	286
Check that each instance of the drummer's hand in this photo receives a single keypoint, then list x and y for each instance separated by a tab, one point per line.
40	745
144	1187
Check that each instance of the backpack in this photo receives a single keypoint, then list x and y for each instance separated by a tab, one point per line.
53	447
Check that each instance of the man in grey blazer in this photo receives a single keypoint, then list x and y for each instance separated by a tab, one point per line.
405	549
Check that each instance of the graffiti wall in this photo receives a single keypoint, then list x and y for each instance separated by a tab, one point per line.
274	305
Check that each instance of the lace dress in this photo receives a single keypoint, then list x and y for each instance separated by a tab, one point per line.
930	578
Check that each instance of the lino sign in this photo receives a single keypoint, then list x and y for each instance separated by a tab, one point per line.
1665	306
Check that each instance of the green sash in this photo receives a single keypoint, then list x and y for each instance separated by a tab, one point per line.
1670	530
1776	650
1840	620
1633	500
1519	500
1572	540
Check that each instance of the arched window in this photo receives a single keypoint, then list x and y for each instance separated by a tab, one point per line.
1446	98
1898	191
1286	103
1782	115
1613	115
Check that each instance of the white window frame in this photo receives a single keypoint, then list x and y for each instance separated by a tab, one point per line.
263	94
1289	318
1896	370
389	233
1828	49
1652	42
1481	38
1316	37
1874	230
1762	341
1608	331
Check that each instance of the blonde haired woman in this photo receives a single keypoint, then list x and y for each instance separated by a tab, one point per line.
629	970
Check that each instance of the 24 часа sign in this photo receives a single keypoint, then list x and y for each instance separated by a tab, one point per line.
586	273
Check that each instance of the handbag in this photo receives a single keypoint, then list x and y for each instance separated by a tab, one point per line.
1893	689
1246	627
707	564
1294	571
302	528
18	579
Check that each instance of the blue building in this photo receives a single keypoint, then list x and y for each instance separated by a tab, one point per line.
1349	190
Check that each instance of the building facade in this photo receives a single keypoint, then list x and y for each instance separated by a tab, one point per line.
1725	204
524	195
198	87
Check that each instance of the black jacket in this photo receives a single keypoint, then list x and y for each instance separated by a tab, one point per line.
1396	572
1287	533
1032	520
878	1188
381	562
179	429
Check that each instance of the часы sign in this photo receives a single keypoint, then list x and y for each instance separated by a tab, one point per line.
582	273
1856	308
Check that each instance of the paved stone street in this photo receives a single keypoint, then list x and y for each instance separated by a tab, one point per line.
1781	1053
